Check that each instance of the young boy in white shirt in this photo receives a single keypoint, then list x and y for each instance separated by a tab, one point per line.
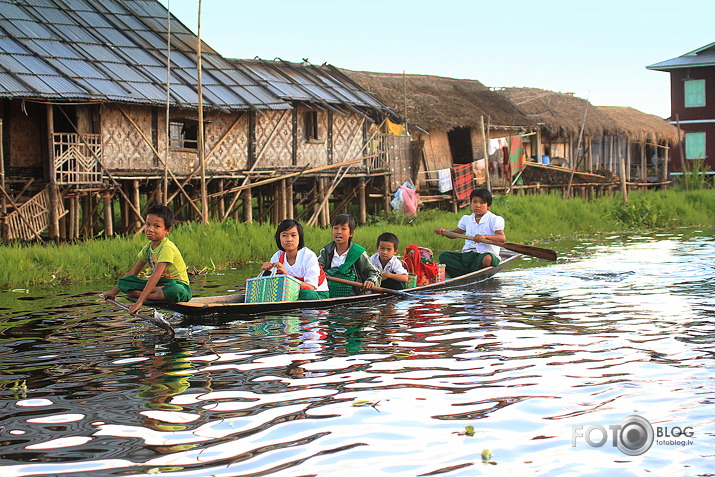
482	223
394	273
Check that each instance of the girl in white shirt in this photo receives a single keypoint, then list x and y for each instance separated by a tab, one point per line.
295	259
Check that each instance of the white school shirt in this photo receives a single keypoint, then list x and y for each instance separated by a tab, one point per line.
305	266
487	225
394	265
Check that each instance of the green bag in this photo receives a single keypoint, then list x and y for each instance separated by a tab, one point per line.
340	289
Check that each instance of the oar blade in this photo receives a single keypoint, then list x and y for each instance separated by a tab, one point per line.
543	253
156	319
537	252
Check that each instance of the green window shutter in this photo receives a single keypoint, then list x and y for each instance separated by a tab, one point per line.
695	145
694	93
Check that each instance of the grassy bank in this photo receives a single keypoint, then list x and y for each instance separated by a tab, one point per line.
529	219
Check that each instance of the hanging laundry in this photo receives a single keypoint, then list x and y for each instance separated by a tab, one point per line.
445	180
406	198
462	182
492	146
394	128
517	157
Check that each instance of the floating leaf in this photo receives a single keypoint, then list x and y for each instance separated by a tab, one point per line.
20	290
486	455
469	431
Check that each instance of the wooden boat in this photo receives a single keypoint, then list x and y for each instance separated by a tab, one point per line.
234	304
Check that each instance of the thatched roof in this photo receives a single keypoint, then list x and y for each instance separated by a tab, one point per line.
639	126
560	114
438	103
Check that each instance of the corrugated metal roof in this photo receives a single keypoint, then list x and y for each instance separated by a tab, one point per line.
114	50
310	83
703	56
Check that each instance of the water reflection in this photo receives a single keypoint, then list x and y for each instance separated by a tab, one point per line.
622	325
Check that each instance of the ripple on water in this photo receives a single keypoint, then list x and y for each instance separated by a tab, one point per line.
622	326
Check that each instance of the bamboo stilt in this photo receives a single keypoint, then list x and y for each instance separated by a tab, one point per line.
362	201
108	218
247	204
136	203
290	211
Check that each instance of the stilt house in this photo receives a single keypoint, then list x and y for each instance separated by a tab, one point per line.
457	114
100	116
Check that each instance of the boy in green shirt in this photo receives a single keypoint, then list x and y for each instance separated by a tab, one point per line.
345	259
169	280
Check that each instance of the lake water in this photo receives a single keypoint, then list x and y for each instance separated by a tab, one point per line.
551	364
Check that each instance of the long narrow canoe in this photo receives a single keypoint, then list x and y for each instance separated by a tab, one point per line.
234	304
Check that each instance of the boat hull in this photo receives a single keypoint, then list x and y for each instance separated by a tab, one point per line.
234	305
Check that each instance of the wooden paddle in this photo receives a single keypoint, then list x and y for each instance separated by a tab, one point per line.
537	252
156	319
389	291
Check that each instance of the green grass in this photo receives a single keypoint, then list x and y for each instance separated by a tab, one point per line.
530	219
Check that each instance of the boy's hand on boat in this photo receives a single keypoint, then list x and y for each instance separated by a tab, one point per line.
134	308
108	295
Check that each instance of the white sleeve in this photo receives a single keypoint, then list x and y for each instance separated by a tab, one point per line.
311	267
498	223
463	222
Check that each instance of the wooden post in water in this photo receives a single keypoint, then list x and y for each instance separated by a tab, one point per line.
624	187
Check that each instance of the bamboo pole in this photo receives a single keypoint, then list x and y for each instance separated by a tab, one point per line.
3	201
486	156
289	201
682	153
108	219
165	178
624	187
202	159
362	200
247	203
53	219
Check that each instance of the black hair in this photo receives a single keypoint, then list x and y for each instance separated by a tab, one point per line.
289	224
483	194
160	210
388	237
345	219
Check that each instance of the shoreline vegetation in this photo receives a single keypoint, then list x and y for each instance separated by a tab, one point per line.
530	219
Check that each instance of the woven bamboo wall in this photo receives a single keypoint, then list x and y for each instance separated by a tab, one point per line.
274	139
24	134
347	136
123	147
31	217
232	153
313	153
